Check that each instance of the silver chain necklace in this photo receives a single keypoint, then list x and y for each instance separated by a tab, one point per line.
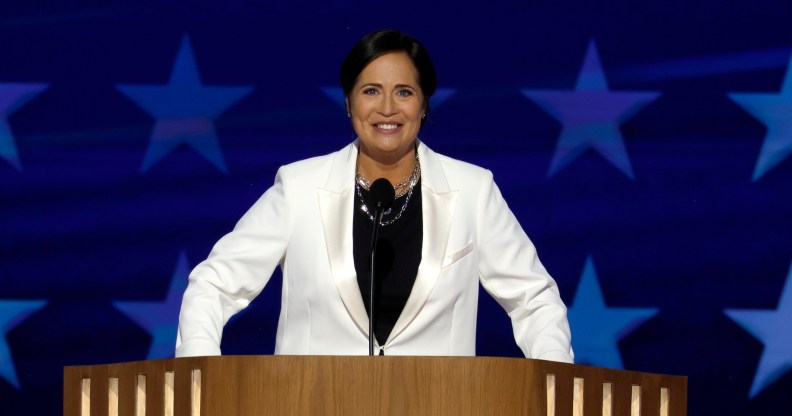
408	185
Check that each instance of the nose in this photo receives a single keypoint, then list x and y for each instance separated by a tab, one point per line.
387	105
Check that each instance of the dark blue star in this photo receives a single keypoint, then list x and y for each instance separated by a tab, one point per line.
12	97
774	328
590	115
775	111
184	110
12	312
161	319
597	328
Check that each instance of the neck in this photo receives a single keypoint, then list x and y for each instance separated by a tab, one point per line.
394	171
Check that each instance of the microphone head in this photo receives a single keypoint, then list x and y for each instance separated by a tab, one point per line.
381	194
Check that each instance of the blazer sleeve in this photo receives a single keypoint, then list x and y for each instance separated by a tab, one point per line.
510	271
235	272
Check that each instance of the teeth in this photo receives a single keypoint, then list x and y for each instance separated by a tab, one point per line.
387	126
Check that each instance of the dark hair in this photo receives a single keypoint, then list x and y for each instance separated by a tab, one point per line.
376	44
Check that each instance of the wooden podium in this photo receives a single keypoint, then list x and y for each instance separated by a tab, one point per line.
354	385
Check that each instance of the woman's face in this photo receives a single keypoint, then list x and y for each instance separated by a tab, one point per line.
386	105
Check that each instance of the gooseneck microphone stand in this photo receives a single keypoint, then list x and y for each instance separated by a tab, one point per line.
381	196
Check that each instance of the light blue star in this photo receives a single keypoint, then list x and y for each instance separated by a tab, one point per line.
775	111
440	96
590	115
184	110
161	319
12	97
12	312
597	328
774	328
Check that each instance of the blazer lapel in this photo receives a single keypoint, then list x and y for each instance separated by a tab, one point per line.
336	202
438	202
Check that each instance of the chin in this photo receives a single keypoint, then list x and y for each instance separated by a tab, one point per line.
388	145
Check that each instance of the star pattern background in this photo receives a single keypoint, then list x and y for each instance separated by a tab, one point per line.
644	147
161	318
774	111
598	328
12	97
591	116
185	110
11	314
774	329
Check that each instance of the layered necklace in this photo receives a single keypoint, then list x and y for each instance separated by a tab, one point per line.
402	188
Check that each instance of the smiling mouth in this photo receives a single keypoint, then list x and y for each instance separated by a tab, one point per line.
387	126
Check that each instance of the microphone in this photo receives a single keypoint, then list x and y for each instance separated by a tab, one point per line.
381	195
380	198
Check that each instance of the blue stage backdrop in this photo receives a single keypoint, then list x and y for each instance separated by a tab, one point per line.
645	146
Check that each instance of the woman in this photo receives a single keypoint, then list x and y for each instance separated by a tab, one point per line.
448	229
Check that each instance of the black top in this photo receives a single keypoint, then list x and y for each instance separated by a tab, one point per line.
397	259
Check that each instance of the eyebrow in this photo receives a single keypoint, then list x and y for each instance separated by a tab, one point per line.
374	84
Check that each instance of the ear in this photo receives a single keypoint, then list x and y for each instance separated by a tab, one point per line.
346	100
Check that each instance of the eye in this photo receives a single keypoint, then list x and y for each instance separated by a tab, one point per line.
405	93
370	91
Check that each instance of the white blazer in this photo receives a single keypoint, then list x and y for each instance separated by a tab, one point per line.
304	224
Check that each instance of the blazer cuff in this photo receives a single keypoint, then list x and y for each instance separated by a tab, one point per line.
197	348
557	355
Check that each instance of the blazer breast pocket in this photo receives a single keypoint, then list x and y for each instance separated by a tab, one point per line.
458	255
